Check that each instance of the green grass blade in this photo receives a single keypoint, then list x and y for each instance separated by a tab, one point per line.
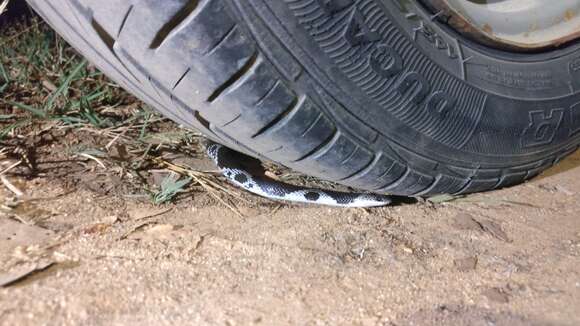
34	111
65	85
170	187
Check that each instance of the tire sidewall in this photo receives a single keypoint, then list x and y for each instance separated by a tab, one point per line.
530	114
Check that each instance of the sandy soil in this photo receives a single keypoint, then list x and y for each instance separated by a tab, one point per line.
84	245
73	255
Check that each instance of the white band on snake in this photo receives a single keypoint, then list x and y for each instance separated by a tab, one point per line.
228	160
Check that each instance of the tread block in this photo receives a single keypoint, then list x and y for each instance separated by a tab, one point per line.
409	184
476	173
146	20
294	132
201	32
275	102
479	185
269	44
444	185
511	179
260	77
383	171
390	175
226	59
208	74
366	134
338	149
114	13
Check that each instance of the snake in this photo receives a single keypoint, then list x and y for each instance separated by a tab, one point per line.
229	163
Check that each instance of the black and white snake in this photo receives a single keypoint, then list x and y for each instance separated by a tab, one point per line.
228	162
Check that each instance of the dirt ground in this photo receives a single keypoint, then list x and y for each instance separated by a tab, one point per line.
89	237
83	249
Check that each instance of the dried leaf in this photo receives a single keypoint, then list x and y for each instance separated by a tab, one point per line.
494	230
13	234
23	272
464	221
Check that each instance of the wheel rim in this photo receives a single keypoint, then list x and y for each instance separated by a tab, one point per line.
520	24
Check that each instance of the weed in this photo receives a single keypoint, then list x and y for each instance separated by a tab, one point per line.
48	89
170	187
41	78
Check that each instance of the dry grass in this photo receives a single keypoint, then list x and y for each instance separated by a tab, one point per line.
51	96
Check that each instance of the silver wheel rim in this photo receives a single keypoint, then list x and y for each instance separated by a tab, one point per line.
526	24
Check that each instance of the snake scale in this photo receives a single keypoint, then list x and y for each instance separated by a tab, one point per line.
228	162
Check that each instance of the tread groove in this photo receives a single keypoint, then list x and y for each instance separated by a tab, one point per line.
231	121
465	187
222	39
111	43
293	107
181	78
364	170
173	23
395	182
103	35
124	21
202	120
235	77
350	156
314	122
328	141
430	186
268	92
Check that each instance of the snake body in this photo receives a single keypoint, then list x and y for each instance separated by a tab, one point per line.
228	163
